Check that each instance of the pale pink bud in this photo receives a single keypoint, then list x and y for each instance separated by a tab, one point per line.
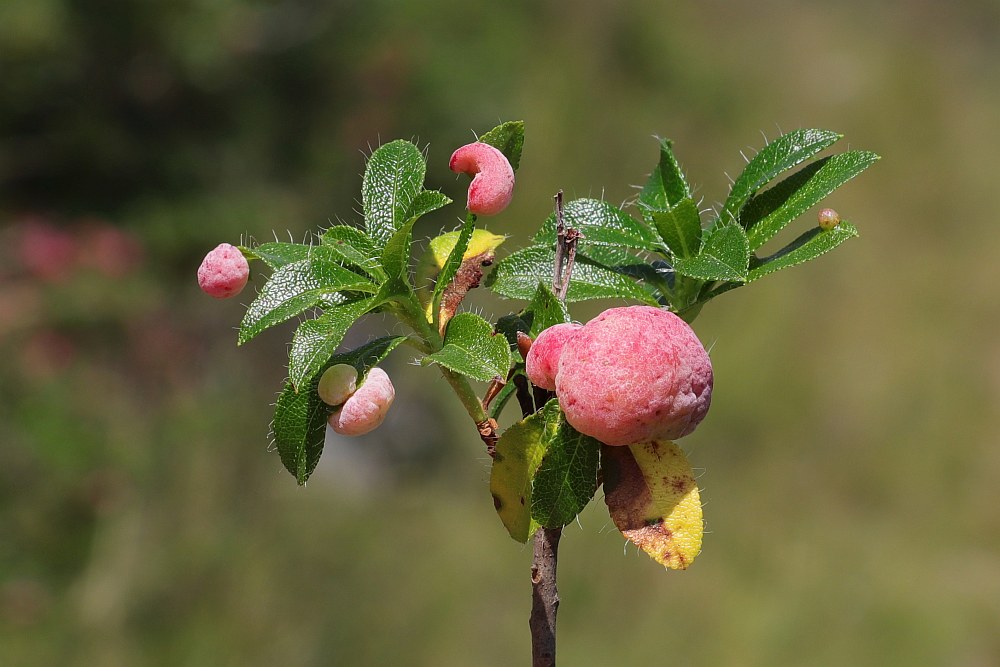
493	178
224	272
542	362
366	407
634	374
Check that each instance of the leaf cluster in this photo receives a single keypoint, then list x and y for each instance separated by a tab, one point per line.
666	254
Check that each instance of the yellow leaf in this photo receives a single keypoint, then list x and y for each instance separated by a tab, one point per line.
518	454
653	500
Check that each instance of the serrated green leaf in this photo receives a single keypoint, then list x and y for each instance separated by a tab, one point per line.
666	186
601	224
780	155
299	430
396	262
425	202
316	340
471	348
724	255
773	209
294	288
518	454
367	356
809	245
517	277
354	248
451	264
679	227
654	501
278	254
566	479
546	310
393	179
508	138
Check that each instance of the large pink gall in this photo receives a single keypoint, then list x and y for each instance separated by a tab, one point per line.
634	374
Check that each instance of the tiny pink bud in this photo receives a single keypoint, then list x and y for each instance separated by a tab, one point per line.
224	272
828	219
366	407
493	178
542	362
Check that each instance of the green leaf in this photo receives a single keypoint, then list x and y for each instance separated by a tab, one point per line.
367	356
294	288
396	262
517	277
316	340
666	187
299	429
546	309
508	138
351	246
780	155
679	227
654	501
471	348
809	245
425	202
518	454
278	254
566	479
772	210
451	264
394	176
724	255
601	224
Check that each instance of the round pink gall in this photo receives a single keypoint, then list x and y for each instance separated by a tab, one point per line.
542	362
367	406
634	374
224	272
492	177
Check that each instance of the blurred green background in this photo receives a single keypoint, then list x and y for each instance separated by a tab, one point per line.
849	466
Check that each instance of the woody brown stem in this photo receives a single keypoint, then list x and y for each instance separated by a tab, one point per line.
545	554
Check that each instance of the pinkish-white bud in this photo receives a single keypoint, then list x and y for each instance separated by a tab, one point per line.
492	177
337	384
542	362
224	272
366	407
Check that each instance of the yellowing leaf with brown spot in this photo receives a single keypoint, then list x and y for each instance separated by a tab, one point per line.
653	499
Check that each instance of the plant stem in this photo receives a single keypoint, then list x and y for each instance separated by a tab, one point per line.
544	597
408	310
545	554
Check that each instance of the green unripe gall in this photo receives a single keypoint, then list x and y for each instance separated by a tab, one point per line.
337	384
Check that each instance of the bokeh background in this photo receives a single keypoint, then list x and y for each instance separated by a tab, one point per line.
850	466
